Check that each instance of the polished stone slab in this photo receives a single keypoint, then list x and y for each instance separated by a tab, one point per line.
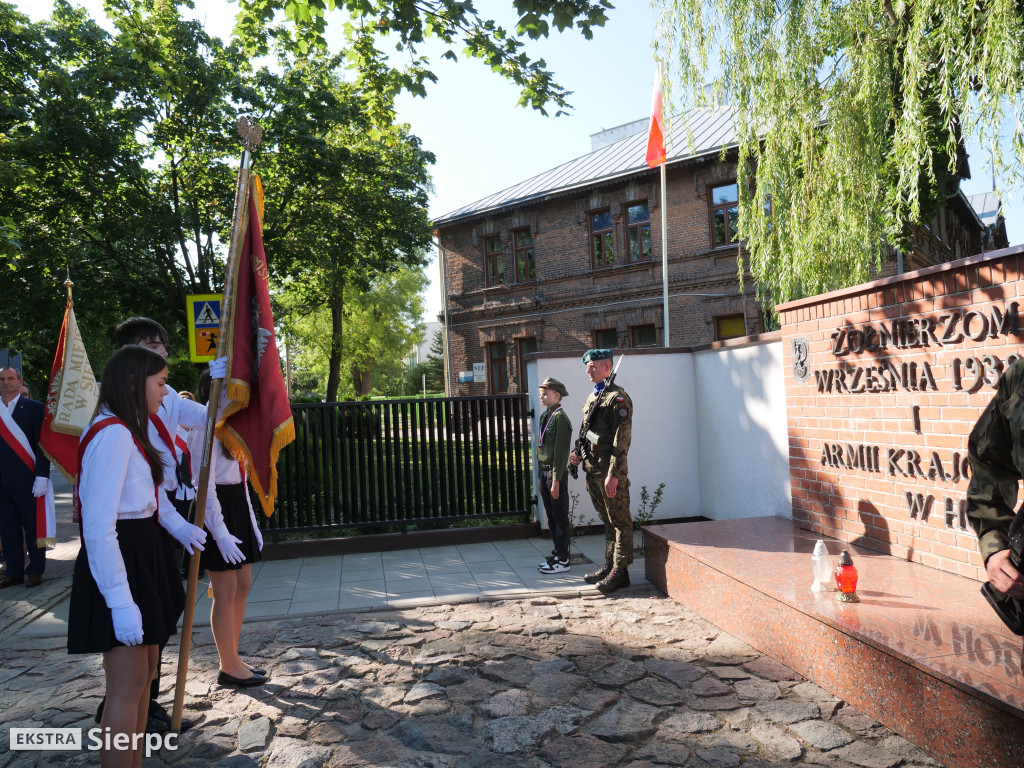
922	652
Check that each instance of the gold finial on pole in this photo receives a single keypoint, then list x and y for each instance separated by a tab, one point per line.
250	132
68	284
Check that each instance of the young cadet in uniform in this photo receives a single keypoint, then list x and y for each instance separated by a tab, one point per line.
611	424
176	492
552	456
231	522
121	603
996	452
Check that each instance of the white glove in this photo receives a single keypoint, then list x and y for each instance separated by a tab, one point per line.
127	624
40	486
190	536
228	546
219	368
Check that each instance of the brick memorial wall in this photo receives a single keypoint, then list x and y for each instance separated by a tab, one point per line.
884	382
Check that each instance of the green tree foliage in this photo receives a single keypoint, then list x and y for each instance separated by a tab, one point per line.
434	364
404	26
118	158
115	163
381	327
353	199
854	115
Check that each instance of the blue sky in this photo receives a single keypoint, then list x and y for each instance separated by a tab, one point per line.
484	142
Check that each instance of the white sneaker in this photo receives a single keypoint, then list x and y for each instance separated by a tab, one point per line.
547	561
556	565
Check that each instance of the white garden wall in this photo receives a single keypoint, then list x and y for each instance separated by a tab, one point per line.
710	424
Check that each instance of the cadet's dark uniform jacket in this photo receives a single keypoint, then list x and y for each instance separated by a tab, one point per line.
996	451
553	450
612	422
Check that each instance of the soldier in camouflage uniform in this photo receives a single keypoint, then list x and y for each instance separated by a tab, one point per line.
611	425
996	452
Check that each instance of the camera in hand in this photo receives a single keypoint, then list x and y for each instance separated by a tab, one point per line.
1009	609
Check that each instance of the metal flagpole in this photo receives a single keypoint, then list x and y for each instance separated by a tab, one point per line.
251	135
664	221
664	249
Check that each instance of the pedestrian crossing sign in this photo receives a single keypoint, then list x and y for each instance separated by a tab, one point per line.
203	325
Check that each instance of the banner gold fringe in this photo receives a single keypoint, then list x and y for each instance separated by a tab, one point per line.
54	463
236	446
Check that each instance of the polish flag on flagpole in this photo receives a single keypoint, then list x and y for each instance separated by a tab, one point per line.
656	129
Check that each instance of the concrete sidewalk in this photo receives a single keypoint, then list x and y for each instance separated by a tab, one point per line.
320	585
365	582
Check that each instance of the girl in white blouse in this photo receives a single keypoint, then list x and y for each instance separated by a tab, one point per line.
120	597
231	522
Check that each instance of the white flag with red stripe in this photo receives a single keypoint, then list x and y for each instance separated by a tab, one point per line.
656	129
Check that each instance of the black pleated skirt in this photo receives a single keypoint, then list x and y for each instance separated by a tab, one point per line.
236	517
90	626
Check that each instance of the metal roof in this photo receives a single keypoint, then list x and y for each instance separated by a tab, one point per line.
711	130
986	205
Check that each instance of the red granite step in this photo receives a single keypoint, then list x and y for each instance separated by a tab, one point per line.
921	653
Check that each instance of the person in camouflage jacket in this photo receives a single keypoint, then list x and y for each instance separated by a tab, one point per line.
610	432
996	454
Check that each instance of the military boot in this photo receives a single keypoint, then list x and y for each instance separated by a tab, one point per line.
598	575
615	580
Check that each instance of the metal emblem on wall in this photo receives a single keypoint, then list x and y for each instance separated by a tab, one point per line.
801	370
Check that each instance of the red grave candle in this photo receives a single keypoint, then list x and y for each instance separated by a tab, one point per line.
846	579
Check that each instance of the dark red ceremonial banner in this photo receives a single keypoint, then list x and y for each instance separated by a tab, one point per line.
257	419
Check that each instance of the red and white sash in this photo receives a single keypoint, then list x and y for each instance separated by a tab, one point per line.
46	514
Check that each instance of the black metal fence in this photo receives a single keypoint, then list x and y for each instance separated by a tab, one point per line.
402	463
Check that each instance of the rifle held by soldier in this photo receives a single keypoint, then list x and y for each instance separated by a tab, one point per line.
580	448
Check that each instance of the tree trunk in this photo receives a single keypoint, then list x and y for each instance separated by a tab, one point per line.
362	378
334	365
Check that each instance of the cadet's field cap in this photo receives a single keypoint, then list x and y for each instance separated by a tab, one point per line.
596	354
556	385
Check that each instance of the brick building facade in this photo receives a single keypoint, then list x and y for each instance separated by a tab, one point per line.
572	258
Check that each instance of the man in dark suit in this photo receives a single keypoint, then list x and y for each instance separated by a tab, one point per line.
20	485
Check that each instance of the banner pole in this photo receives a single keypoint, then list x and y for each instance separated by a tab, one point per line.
251	135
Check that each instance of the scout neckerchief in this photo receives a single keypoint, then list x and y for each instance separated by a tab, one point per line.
86	439
46	513
544	429
186	456
182	470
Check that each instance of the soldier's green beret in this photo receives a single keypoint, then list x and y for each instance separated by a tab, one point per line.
556	385
596	354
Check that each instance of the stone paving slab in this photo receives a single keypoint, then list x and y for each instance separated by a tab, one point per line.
583	682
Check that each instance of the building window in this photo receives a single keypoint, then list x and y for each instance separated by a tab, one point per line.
607	338
643	336
497	368
724	214
602	240
494	261
638	223
729	327
523	243
526	347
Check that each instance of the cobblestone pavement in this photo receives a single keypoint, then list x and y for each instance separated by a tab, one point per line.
634	680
